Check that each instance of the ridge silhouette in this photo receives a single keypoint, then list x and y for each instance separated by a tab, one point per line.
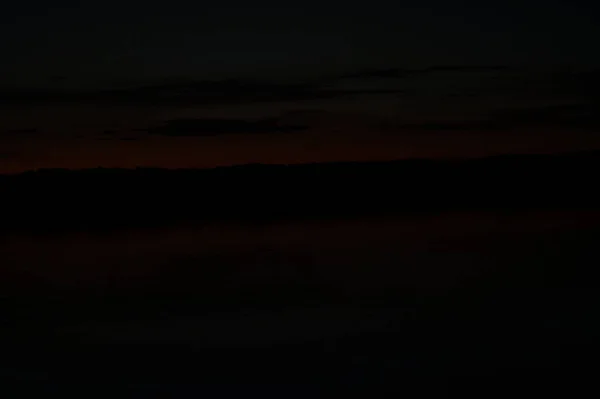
51	199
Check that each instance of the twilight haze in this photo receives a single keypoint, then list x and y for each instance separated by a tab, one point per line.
407	199
189	84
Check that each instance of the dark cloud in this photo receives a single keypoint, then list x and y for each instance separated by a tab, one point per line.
229	91
216	126
581	85
385	73
305	116
445	126
400	73
111	134
208	92
305	112
499	81
25	131
223	92
567	116
541	84
464	68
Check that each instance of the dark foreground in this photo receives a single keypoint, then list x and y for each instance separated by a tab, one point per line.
488	309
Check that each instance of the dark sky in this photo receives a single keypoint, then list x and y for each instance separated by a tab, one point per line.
106	83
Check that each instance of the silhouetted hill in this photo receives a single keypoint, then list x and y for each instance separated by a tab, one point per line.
50	199
374	312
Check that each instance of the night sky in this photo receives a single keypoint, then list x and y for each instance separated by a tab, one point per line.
199	84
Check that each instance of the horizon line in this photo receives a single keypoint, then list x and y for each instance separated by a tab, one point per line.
324	163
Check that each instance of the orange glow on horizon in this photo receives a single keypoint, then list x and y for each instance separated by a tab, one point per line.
306	147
